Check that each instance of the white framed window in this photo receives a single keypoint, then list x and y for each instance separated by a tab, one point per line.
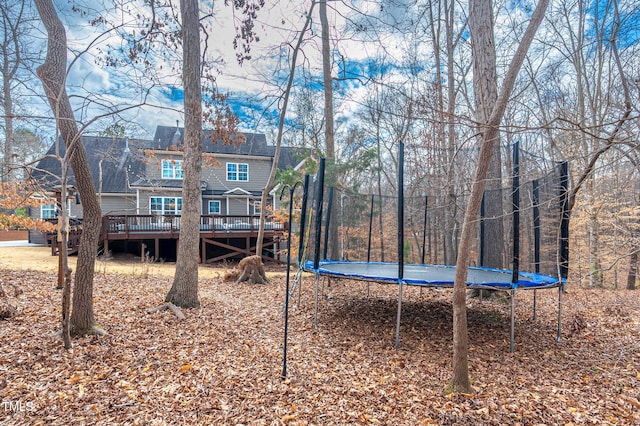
238	172
165	205
49	211
171	169
257	207
214	207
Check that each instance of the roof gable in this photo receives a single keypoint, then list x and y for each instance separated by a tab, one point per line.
112	161
172	137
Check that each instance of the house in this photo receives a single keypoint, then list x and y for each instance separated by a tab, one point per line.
139	183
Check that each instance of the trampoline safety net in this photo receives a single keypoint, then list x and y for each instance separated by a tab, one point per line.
362	226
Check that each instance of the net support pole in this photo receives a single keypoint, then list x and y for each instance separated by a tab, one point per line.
400	237
481	231
303	227
515	206
327	224
370	230
564	239
536	238
370	237
303	218
318	234
515	203
559	335
286	299
512	329
564	225
315	303
424	230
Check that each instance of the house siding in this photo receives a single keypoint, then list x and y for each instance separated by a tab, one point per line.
238	206
216	176
118	204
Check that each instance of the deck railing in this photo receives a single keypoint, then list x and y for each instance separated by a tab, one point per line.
170	224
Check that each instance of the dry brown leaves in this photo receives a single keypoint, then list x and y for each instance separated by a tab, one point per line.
223	364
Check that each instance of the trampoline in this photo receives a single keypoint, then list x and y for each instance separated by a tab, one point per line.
431	275
545	234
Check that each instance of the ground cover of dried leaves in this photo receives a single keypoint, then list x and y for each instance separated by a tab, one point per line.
223	364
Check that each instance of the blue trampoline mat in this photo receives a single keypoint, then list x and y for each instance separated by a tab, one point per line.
431	275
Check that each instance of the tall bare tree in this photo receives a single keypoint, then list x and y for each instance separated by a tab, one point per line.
53	74
14	20
283	113
329	124
490	137
485	92
184	291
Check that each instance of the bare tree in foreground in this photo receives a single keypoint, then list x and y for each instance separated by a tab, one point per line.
184	291
490	133
53	73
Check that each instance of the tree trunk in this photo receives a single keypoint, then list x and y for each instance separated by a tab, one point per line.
184	292
595	266
485	90
490	137
8	173
450	211
10	64
53	75
633	271
283	113
329	131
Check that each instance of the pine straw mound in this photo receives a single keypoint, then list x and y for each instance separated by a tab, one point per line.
223	364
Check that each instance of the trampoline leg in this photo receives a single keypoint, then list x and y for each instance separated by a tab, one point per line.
535	300
315	306
399	315
513	321
559	336
322	289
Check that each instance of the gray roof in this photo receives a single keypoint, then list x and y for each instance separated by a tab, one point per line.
122	167
119	164
167	137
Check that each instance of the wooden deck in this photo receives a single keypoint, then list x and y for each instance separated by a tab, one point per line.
221	237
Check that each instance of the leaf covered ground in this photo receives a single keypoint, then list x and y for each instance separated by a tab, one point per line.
223	364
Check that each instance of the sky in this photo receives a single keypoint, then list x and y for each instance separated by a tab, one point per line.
255	86
95	87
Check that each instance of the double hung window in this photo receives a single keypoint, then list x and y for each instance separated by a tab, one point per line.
171	169
165	205
214	207
238	172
